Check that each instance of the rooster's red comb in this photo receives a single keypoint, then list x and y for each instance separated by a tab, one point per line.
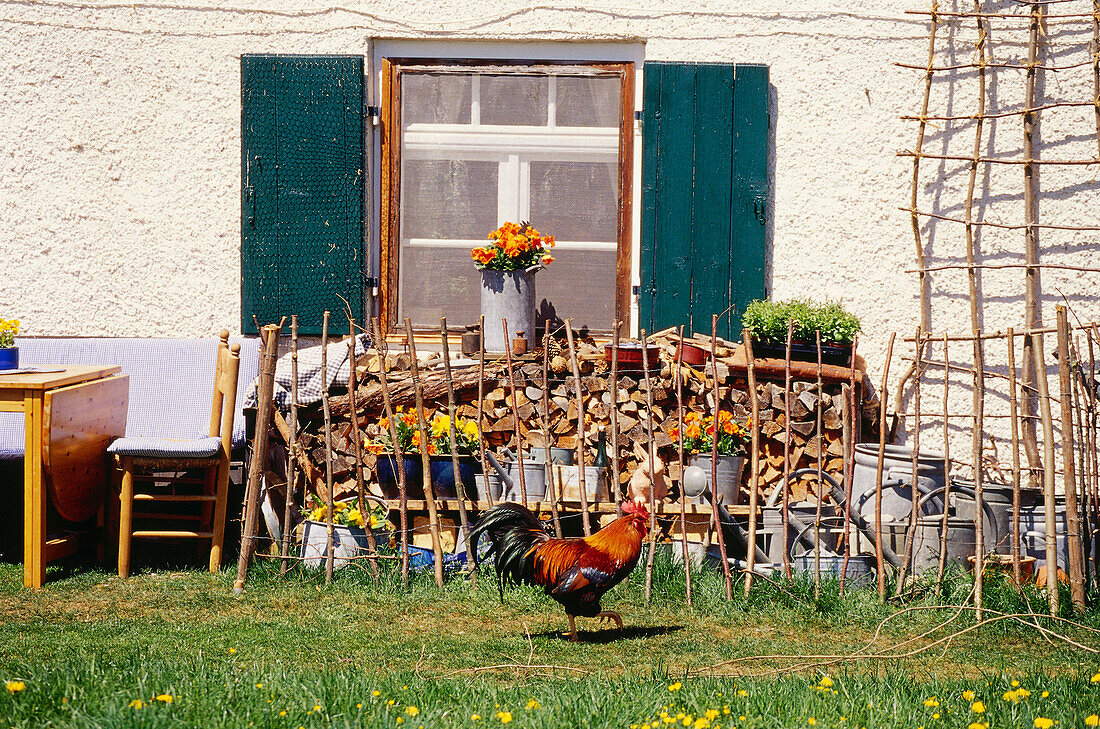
637	506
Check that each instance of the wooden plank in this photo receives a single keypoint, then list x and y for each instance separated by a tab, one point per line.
604	507
69	375
749	206
34	495
710	223
674	249
80	421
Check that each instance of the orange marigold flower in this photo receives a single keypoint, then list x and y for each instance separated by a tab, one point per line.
692	431
547	259
729	428
674	433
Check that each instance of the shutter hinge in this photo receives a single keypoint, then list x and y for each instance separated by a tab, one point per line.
636	290
371	281
374	113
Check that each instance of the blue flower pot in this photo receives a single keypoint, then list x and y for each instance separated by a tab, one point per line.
443	476
386	473
9	358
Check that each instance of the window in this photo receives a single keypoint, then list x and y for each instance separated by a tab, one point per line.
467	147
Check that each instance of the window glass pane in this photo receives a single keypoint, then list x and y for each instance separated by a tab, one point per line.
448	198
517	100
576	200
587	102
435	98
438	281
579	284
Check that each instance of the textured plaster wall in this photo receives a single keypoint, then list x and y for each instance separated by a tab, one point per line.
120	153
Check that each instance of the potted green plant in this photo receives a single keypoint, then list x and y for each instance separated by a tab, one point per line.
442	465
349	531
733	438
508	265
767	321
9	353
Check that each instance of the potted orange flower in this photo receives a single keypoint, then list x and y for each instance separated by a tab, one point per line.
508	264
733	438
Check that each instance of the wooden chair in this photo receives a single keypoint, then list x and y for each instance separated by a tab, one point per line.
177	458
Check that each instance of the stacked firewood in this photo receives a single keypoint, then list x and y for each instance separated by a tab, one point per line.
635	420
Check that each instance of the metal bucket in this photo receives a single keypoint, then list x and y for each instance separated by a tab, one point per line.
926	542
507	295
997	525
534	478
1033	532
896	458
729	475
770	537
858	574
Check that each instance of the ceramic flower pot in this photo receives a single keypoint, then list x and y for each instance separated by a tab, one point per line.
508	295
386	471
443	476
348	542
9	358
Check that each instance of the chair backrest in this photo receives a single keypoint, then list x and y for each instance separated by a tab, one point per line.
225	391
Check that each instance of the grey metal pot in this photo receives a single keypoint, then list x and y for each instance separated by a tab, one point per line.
508	295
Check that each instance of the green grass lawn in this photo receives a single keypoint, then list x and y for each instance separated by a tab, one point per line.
363	652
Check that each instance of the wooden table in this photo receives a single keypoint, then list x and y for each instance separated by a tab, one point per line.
92	409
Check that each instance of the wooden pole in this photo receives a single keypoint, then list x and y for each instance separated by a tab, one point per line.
1096	65
942	559
976	455
1081	455
754	475
851	424
258	463
460	487
580	428
547	435
398	453
879	556
1094	475
652	470
515	414
914	495
357	444
425	459
680	462
292	450
714	462
1073	524
616	483
330	556
820	467
786	508
1031	248
481	409
1048	475
1017	577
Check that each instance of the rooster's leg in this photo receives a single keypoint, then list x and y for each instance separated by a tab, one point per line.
572	634
612	616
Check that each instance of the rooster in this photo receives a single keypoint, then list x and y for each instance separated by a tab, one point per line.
575	572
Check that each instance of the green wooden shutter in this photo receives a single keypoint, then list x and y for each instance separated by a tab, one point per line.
301	189
704	193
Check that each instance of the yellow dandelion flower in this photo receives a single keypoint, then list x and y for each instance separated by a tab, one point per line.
1095	678
742	693
475	717
282	713
978	725
412	710
533	704
978	707
811	721
1041	722
137	704
14	686
504	716
701	723
164	698
1022	693
1045	694
968	695
930	702
675	686
400	720
317	707
376	693
825	681
1092	720
232	651
259	685
711	714
936	716
390	702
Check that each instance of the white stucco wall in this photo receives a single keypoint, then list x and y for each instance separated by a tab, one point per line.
120	146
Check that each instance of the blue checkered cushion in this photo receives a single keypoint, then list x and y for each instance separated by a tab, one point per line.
165	447
171	382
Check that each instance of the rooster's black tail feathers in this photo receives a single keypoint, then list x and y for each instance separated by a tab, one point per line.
514	530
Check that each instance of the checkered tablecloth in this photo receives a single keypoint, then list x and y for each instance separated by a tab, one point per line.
311	380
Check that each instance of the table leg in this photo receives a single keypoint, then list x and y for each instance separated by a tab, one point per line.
34	494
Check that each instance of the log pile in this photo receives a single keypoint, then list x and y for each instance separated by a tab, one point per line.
499	412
